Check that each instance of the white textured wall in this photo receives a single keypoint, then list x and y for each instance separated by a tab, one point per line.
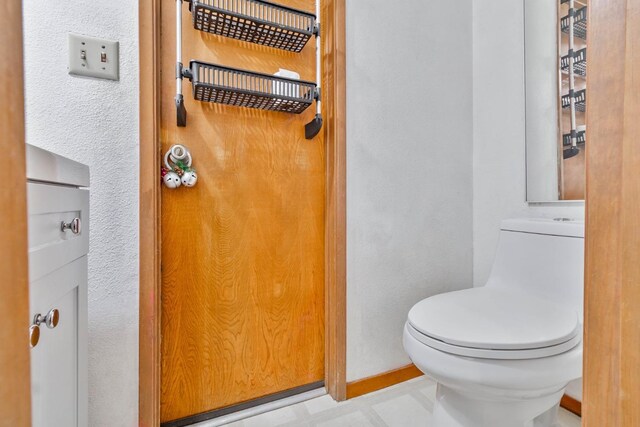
499	187
409	168
95	122
499	175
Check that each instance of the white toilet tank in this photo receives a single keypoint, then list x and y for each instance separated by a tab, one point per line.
544	257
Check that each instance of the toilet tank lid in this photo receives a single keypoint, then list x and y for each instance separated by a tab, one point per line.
566	227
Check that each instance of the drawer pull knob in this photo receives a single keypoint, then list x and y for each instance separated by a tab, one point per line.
51	319
34	335
75	226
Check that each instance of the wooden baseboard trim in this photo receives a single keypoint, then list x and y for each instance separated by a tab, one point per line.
571	405
383	380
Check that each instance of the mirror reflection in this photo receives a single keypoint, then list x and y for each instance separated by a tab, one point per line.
556	91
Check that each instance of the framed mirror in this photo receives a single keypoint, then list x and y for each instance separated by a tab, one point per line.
555	45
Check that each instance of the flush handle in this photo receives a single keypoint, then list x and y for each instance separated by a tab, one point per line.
75	226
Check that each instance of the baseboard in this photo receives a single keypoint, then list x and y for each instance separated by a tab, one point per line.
380	381
571	405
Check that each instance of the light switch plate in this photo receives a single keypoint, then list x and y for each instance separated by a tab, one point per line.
93	57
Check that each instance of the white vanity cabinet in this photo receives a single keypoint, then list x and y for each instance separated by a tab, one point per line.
58	223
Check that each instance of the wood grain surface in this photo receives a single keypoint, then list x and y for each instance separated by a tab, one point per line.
334	96
383	380
611	390
573	182
15	391
150	238
571	405
243	251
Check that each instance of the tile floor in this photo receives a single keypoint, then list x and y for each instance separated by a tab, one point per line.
405	405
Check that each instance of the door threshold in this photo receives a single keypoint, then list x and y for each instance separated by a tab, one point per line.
251	408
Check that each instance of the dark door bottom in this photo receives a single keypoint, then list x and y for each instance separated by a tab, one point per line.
242	406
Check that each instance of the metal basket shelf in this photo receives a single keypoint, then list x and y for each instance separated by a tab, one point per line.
579	62
580	23
240	88
583	2
580	100
580	138
255	21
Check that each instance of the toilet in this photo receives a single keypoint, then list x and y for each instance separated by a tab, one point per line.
502	354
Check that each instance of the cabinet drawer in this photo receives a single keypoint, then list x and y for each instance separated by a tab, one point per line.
50	247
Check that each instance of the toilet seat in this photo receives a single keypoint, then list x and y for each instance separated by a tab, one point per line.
494	323
481	353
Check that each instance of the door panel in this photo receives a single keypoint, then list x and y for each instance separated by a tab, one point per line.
611	388
15	402
243	250
56	359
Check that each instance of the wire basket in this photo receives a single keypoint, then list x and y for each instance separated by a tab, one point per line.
240	88
579	62
580	137
580	100
255	21
579	24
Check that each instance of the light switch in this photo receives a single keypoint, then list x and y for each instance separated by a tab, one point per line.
93	57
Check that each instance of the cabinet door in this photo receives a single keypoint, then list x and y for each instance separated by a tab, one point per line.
58	361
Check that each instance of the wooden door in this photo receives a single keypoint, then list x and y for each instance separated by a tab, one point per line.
612	290
243	250
15	401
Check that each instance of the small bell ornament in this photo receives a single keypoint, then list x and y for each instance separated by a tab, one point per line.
171	180
189	178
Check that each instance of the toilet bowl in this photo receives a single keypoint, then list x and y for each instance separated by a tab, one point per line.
502	354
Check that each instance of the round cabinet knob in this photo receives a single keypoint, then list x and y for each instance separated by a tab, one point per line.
75	226
52	318
34	335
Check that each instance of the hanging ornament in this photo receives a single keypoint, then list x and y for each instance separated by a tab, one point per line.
189	178
171	180
177	168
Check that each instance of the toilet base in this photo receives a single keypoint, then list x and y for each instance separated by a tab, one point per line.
463	409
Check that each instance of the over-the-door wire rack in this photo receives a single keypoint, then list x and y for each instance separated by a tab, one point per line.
253	21
574	24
